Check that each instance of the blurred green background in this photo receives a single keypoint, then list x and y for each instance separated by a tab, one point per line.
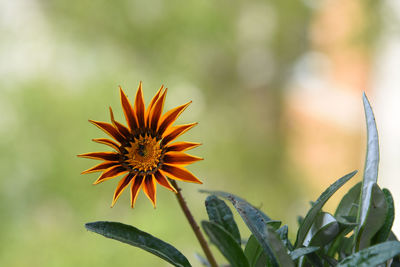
241	62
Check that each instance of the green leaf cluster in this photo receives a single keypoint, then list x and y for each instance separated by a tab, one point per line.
357	234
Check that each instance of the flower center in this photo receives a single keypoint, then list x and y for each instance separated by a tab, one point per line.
144	154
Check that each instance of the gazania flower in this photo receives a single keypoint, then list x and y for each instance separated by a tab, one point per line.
144	151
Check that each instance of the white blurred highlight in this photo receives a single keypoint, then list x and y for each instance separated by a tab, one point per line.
323	100
387	107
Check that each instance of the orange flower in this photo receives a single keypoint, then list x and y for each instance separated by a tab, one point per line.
143	150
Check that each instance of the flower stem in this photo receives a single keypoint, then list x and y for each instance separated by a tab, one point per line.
194	225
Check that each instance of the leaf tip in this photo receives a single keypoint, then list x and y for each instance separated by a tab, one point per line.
89	226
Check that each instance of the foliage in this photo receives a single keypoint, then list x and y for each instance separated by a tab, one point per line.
357	234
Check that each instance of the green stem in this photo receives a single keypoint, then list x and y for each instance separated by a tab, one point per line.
194	225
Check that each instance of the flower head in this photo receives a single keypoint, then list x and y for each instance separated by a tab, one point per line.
144	151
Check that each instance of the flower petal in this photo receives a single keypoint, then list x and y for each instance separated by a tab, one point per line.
121	128
139	107
176	131
128	111
121	186
110	156
111	173
169	117
181	146
102	166
108	129
107	142
149	189
151	105
178	173
136	184
162	180
156	112
180	158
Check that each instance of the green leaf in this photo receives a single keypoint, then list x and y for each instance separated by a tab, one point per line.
324	229
344	229
371	161
392	237
253	251
329	260
299	252
225	243
203	261
230	196
372	256
283	235
348	206
349	219
221	214
312	259
256	221
374	220
265	235
133	236
299	220
315	209
383	233
348	246
274	224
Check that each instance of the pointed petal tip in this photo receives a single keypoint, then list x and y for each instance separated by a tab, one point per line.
133	203
113	202
153	203
186	105
84	155
121	92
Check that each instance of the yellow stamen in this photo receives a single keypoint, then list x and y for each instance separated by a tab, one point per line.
144	153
